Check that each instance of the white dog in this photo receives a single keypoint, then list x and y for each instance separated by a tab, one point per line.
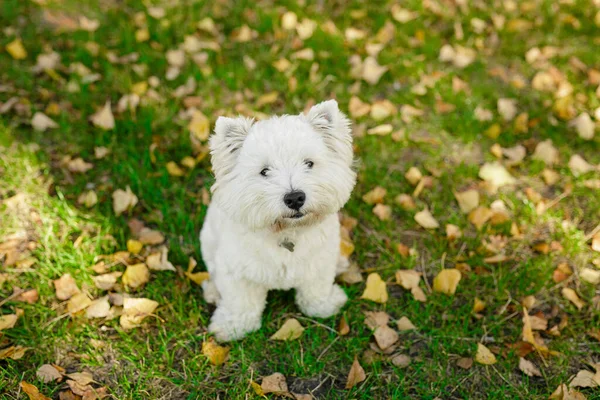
273	221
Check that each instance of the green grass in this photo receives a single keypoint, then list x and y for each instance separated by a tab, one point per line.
163	358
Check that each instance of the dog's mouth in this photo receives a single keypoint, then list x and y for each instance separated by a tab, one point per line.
297	215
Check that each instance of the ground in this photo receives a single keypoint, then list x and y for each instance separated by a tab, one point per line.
467	87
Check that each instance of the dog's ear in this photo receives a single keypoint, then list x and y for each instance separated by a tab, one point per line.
226	142
327	119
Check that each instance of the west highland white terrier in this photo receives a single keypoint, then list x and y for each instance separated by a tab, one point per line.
273	222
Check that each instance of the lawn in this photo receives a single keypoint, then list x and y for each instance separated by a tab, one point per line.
476	131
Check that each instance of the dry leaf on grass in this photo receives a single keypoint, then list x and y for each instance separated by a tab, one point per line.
104	118
447	281
375	289
564	393
404	324
385	336
572	296
136	275
99	308
48	373
78	302
32	391
484	355
290	330
16	49
216	354
453	232
413	175
546	152
585	379
343	327
65	287
135	310
356	374
134	246
507	108
584	126
352	275
528	368
274	383
106	281
372	71
88	198
426	220
465	362
158	261
123	200
408	278
375	196
150	236
579	166
496	174
382	212
8	321
467	200
41	122
375	319
13	352
196	277
590	275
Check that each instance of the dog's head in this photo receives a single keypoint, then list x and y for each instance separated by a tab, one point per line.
285	171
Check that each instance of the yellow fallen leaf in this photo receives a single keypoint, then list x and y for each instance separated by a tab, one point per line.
136	275
572	296
356	374
8	321
135	310
216	354
375	289
289	20
13	352
484	355
478	305
32	391
290	330
106	281
447	281
199	126
413	175
174	170
16	49
467	200
196	277
134	246
381	130
480	216
426	220
375	196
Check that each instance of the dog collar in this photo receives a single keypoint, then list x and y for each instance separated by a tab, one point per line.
288	245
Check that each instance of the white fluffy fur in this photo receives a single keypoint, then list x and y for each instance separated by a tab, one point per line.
247	221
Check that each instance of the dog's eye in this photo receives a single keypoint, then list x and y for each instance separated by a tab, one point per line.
309	163
264	171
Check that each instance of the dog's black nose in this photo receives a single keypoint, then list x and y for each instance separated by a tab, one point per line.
295	200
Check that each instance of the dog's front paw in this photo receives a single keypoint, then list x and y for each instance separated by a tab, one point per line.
231	327
322	307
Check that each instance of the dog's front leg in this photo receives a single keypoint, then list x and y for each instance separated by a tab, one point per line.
320	297
239	310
